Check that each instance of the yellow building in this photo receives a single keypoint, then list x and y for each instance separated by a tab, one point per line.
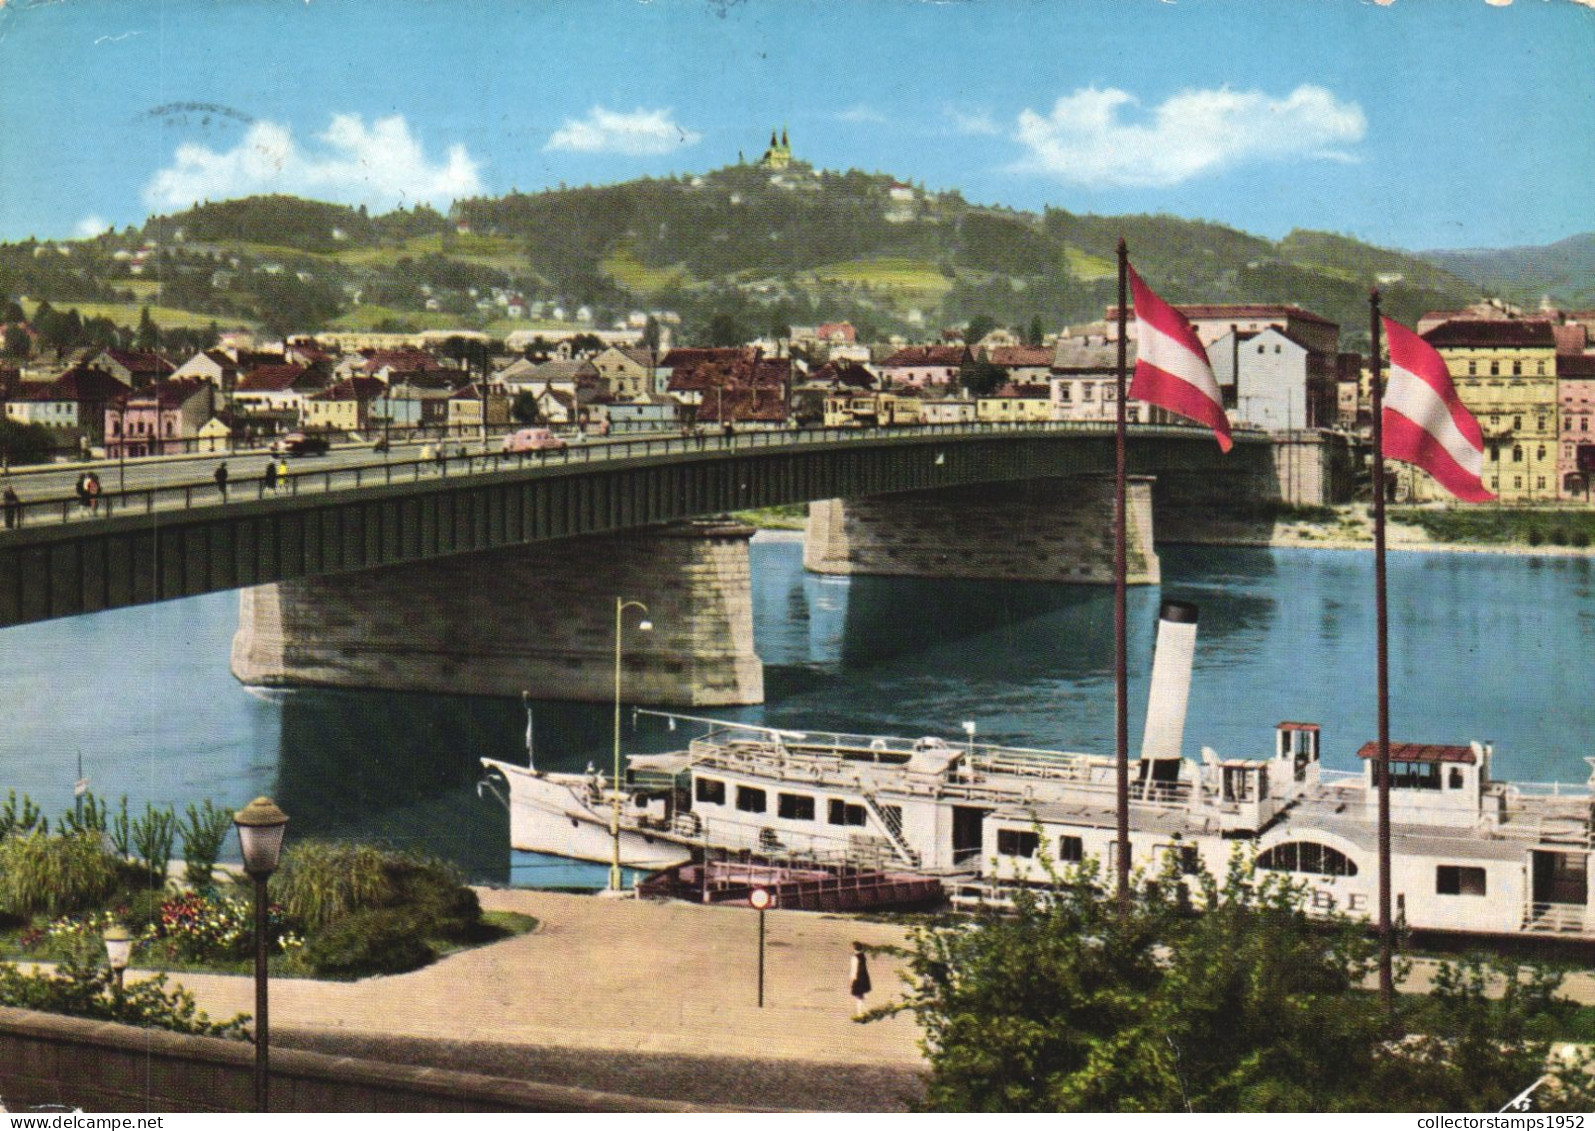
871	410
1015	404
1505	373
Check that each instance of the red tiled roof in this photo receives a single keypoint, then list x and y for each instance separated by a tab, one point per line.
354	389
406	359
140	361
80	383
1238	312
271	378
1577	365
927	355
1012	357
844	330
1420	752
1571	337
1461	334
849	373
165	394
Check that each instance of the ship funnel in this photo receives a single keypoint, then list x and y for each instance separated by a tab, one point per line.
1171	681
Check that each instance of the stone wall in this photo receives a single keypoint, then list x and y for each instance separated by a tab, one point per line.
97	1066
540	619
1058	530
1313	468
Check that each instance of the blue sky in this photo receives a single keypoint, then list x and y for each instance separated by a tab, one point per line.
1409	123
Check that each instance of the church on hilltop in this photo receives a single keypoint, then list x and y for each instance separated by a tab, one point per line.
779	155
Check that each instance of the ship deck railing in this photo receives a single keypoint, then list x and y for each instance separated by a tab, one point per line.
1554	918
1020	772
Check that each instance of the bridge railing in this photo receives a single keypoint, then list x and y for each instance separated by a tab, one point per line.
301	480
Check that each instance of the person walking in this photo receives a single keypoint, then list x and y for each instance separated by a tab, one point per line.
271	475
82	490
859	984
282	473
221	479
13	508
92	488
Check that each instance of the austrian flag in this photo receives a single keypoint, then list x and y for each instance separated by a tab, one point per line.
1171	369
1424	422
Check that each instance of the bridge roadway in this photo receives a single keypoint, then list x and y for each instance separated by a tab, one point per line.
169	534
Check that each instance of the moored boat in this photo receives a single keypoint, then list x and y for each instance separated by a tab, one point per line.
1470	854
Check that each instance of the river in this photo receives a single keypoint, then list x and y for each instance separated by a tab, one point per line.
1483	646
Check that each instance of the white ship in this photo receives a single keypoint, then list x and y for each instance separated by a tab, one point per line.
1469	854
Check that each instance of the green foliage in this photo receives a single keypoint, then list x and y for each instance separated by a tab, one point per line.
85	987
55	874
982	378
151	838
204	829
370	942
320	881
1245	1005
87	816
524	409
25	443
21	816
979	326
1501	525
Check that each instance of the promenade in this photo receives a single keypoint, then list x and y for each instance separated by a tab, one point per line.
624	995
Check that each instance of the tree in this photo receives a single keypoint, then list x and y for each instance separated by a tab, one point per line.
1037	333
979	326
18	343
13	312
148	336
650	333
982	378
24	443
525	409
1244	1005
725	330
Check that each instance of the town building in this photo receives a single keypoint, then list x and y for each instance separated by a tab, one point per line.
134	368
1575	394
75	401
344	407
1505	373
1271	380
1015	404
627	373
164	418
925	367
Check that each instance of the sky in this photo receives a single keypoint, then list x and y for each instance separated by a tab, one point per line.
1413	124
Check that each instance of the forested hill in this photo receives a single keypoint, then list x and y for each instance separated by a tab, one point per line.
760	247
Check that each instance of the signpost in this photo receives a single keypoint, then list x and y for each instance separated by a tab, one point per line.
762	900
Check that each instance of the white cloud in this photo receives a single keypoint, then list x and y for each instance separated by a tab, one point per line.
91	226
1086	140
642	133
979	122
381	166
862	113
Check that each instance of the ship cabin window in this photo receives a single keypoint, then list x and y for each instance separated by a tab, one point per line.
841	813
1307	856
1456	778
1017	842
794	806
709	790
1187	860
1453	879
750	800
1071	849
1413	775
1245	783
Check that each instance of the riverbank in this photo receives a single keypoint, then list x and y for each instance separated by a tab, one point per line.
1536	533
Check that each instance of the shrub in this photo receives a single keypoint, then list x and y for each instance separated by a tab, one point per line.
211	928
1581	539
436	894
203	830
1535	537
152	836
57	874
320	881
23	818
83	987
376	941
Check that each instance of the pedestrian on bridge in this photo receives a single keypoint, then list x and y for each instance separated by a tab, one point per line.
271	475
91	488
13	508
221	479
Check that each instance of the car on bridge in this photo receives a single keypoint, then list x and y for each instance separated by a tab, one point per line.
301	444
532	440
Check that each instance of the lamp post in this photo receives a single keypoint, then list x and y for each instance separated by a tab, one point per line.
118	949
644	625
261	826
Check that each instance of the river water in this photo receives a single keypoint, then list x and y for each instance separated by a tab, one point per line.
1483	646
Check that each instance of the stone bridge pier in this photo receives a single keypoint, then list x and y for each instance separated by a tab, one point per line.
1057	529
538	619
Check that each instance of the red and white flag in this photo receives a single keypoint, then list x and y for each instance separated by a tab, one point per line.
1424	422
1171	369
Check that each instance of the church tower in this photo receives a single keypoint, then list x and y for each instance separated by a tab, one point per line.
779	155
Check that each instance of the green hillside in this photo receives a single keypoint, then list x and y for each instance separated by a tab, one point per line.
761	250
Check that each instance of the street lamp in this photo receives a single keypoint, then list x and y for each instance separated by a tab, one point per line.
118	949
261	826
644	625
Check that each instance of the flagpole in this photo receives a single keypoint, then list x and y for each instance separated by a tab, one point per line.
1120	569
1382	631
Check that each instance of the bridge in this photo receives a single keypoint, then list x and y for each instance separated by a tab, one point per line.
317	534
